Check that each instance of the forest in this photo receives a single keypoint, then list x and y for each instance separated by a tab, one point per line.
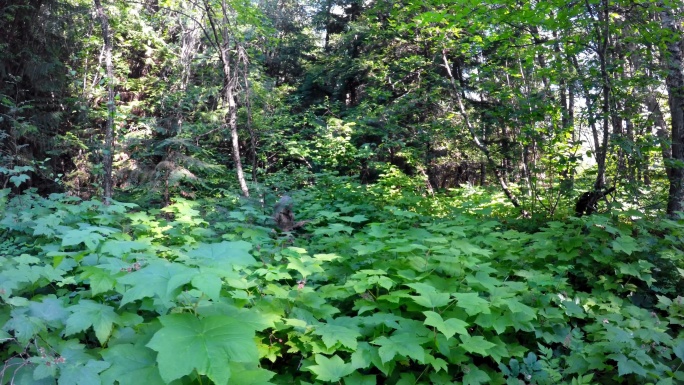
355	192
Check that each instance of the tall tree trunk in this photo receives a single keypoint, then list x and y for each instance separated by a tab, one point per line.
221	40
111	107
231	117
602	52
675	89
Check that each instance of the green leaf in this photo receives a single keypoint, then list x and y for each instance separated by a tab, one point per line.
330	369
101	281
88	313
333	229
241	375
208	283
448	327
186	343
90	238
518	307
131	364
50	310
405	344
332	334
679	350
17	180
226	255
472	303
119	249
627	366
159	279
360	379
476	344
429	296
625	244
355	219
475	376
82	374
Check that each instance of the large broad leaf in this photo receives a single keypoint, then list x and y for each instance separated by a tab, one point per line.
186	343
332	334
130	364
429	296
89	313
225	255
330	369
119	248
240	374
405	344
101	281
625	244
90	238
627	366
472	303
160	279
448	327
476	344
475	376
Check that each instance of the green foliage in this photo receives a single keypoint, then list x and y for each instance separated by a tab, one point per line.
379	290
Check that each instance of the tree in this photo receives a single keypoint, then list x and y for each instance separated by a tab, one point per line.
674	65
225	40
111	106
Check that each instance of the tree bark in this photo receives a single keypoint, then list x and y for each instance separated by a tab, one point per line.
675	89
111	107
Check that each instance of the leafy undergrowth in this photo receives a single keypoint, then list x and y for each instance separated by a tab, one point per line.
380	288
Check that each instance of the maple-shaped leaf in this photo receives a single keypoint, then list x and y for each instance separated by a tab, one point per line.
333	229
679	350
46	225
209	284
225	255
119	248
429	296
627	366
362	356
130	364
91	239
100	281
483	279
358	218
330	369
472	303
84	374
244	374
79	367
89	313
360	379
469	249
626	244
405	344
305	265
475	376
449	327
518	307
24	326
50	309
161	279
332	334
186	343
437	363
476	344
